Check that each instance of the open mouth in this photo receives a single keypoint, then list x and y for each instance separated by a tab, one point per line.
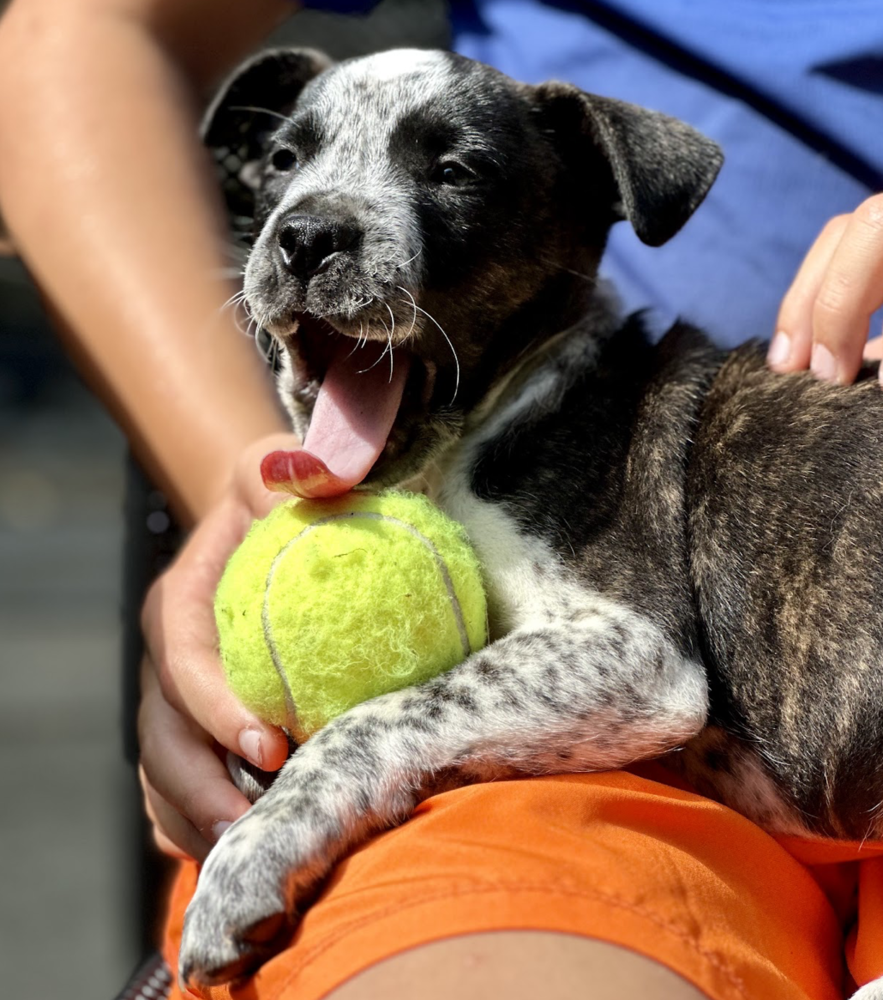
365	389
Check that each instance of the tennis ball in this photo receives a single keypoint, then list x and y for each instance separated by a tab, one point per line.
327	603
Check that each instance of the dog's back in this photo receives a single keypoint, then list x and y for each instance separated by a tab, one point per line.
785	509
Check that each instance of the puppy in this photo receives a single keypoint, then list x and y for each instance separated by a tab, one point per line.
682	550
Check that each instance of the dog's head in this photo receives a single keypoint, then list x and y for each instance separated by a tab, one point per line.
420	220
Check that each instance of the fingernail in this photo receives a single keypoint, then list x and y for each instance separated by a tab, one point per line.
250	746
823	364
780	349
219	827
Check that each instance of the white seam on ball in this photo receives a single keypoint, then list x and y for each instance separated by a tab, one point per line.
374	516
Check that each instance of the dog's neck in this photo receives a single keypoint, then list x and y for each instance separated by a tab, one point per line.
567	301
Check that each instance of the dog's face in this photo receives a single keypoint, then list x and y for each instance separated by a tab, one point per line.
420	220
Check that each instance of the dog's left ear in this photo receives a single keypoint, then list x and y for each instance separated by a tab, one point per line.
660	167
246	111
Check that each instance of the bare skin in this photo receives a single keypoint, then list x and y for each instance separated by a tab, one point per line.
106	196
123	234
519	965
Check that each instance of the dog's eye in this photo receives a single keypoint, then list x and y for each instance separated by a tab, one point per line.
283	160
451	173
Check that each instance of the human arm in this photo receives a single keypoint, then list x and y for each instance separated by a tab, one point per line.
105	191
106	194
824	318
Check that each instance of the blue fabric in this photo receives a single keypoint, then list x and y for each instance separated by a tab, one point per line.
779	69
792	90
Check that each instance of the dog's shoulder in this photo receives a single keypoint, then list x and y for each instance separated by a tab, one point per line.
576	417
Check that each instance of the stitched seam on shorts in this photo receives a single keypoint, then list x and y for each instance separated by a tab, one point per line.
710	957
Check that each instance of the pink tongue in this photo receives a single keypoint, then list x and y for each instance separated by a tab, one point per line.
352	418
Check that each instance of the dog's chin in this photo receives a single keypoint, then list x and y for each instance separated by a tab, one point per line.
425	420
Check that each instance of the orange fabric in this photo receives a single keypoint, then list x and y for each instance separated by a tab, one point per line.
633	858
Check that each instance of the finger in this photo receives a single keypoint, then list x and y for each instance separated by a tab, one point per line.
182	768
179	628
791	346
851	291
874	349
172	834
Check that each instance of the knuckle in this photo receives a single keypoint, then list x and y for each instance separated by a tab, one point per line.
194	804
160	597
150	607
147	748
165	674
830	303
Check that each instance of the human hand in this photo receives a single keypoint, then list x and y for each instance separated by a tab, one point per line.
188	716
823	320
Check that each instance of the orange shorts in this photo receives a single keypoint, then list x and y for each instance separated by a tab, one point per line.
633	858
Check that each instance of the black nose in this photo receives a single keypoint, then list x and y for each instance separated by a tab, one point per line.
307	243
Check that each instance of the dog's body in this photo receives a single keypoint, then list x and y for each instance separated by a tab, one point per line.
682	549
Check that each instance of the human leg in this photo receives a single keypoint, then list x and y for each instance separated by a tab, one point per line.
518	965
626	859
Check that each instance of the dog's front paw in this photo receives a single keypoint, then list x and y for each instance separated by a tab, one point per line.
219	945
238	914
332	793
244	905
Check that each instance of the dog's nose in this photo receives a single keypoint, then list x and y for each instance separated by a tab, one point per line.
307	243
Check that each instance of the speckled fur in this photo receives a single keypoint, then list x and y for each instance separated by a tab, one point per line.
682	550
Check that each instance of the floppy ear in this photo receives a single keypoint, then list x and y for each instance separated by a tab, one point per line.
245	113
660	168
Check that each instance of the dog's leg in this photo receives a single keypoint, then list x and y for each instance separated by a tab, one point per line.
602	690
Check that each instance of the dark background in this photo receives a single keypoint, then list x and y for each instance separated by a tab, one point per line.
70	865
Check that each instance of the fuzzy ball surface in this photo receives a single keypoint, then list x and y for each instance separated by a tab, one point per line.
328	603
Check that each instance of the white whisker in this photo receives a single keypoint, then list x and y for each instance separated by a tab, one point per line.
391	332
237	304
260	111
387	349
409	260
429	316
358	342
414	304
591	278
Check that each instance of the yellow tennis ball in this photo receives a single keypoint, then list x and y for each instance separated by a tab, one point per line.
327	603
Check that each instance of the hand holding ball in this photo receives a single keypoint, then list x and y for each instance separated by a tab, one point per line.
328	603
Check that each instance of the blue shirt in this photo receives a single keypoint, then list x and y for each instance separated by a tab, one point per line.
791	89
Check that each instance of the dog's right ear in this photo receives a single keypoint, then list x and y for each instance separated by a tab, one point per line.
245	113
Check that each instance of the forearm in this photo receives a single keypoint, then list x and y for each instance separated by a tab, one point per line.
107	196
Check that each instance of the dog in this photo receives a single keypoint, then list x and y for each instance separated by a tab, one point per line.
683	551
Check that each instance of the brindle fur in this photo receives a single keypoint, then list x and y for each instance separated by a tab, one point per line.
683	551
